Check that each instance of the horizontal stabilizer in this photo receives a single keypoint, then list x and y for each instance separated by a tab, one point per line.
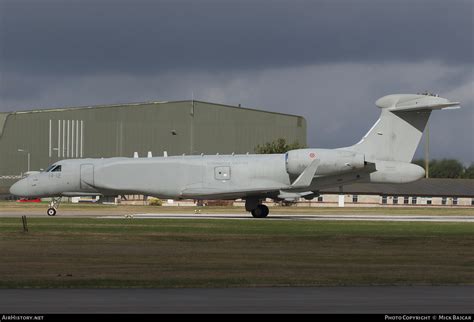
447	106
415	102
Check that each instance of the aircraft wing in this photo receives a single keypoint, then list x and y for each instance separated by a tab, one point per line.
210	193
292	196
305	178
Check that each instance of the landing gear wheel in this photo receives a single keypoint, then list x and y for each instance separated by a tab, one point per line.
260	212
53	205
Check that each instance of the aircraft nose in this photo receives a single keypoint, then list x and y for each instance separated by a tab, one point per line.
20	188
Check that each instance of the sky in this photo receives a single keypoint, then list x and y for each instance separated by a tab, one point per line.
328	61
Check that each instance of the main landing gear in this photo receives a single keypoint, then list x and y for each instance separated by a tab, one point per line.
53	205
260	212
256	208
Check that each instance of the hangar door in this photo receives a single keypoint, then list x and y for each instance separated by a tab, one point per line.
87	175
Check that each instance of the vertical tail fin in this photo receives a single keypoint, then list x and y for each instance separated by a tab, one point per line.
397	133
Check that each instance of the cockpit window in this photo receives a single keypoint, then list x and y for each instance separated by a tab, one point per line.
54	168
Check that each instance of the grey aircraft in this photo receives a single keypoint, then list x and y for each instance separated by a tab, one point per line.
382	155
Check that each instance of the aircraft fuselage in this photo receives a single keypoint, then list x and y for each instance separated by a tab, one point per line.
208	176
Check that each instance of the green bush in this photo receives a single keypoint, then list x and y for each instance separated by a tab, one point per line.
277	146
152	201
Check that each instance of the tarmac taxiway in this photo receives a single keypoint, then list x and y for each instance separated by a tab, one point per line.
374	299
340	216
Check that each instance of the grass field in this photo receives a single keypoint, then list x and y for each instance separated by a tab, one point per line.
88	252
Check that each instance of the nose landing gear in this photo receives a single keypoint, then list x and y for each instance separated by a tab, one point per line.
53	205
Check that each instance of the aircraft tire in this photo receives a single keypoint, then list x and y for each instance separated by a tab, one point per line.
260	212
51	212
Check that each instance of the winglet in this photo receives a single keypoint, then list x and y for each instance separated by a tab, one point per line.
305	178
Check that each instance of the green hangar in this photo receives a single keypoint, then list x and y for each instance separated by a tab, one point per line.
31	140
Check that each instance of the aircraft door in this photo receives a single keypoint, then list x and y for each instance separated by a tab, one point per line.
87	175
222	173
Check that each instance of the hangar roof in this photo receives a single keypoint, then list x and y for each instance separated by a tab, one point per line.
59	109
424	187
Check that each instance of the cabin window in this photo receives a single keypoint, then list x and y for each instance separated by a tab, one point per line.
54	168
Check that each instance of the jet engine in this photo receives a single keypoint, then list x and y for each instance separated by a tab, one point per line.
331	161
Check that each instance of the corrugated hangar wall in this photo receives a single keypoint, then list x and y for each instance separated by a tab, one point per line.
190	127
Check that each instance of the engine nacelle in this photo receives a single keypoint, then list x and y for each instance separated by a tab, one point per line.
396	172
331	161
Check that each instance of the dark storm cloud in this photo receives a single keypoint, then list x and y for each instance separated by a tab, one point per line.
325	60
148	37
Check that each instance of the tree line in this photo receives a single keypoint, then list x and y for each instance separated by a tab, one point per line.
447	168
277	146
